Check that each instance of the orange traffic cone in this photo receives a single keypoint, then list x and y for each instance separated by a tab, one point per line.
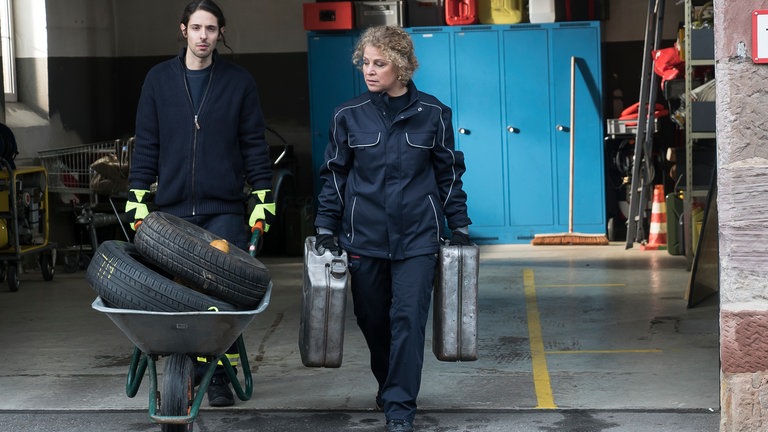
657	239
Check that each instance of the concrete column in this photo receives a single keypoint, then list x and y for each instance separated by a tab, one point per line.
742	146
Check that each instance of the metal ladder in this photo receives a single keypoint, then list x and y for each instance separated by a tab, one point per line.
642	164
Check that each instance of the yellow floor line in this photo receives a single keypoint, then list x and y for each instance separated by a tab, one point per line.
626	351
538	358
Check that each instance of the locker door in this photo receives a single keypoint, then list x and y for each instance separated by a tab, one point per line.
478	127
433	50
582	41
332	80
528	130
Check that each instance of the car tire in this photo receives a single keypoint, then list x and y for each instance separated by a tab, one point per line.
184	249
125	280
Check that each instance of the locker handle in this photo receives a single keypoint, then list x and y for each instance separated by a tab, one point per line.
512	129
464	131
562	128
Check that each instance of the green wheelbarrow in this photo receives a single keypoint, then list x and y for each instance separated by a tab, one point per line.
182	337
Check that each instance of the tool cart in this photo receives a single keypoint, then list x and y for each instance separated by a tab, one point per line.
86	180
24	229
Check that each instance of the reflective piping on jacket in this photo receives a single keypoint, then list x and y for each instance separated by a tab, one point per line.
442	143
437	220
352	221
333	138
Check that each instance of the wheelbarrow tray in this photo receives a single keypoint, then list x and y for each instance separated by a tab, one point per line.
204	333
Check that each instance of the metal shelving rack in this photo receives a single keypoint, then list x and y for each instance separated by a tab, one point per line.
690	194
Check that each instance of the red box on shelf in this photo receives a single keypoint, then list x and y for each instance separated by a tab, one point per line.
328	16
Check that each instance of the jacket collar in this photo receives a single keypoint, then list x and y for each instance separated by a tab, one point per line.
379	99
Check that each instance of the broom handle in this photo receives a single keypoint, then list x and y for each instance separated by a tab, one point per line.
572	145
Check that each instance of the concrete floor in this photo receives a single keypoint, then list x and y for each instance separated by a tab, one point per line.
610	327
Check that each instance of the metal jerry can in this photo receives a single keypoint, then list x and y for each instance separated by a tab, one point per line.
323	305
454	327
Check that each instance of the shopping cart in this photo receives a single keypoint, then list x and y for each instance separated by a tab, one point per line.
81	178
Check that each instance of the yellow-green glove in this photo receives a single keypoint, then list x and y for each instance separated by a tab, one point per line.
136	206
264	209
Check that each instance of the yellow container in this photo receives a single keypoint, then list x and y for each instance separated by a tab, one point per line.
500	11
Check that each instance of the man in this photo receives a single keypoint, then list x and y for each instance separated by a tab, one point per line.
200	136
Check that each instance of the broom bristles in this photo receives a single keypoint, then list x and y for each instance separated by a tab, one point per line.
565	239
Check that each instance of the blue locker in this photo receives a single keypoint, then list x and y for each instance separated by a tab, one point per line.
435	55
581	40
529	131
478	127
332	80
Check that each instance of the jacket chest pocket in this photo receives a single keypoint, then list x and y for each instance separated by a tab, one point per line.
420	140
363	140
418	151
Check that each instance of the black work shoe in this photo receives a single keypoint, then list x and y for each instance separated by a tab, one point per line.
399	426
219	394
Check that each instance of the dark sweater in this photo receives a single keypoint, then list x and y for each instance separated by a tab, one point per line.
200	159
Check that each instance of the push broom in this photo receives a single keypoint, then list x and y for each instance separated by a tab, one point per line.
570	238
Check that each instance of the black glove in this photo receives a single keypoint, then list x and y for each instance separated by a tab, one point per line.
460	239
327	242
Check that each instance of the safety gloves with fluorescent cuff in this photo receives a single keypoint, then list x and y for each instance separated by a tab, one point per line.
136	206
264	210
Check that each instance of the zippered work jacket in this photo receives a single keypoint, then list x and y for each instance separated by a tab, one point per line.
388	188
200	160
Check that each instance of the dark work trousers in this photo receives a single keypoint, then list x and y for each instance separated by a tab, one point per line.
391	301
232	228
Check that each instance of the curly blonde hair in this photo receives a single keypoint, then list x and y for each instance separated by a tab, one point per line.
395	45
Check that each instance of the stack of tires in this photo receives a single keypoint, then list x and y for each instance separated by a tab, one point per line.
176	266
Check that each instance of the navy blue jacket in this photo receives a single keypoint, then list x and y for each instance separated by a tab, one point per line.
201	160
389	187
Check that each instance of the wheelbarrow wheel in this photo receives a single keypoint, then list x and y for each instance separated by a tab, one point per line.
123	279
178	391
183	249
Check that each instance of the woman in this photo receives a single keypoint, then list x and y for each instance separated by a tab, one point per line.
391	180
